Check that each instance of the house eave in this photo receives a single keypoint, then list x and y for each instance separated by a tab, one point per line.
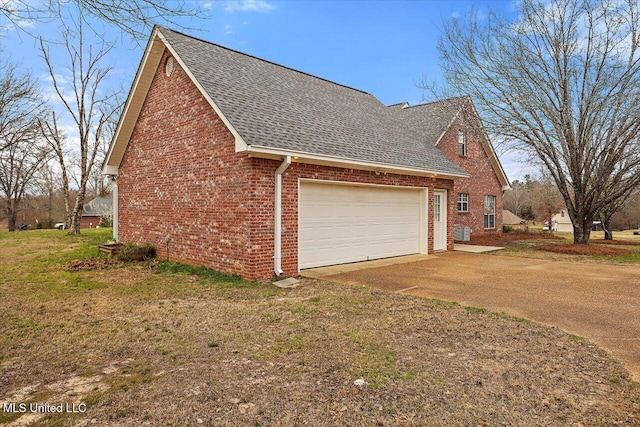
345	163
138	94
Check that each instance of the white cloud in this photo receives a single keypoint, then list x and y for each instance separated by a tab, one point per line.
228	29
248	6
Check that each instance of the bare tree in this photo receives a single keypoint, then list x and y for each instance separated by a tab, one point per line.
90	108
133	17
46	182
629	215
562	82
516	199
20	102
57	140
97	181
546	200
19	162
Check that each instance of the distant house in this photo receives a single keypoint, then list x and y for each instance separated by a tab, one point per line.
513	220
95	210
561	222
256	169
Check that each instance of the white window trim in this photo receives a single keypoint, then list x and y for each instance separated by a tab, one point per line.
489	215
463	203
462	143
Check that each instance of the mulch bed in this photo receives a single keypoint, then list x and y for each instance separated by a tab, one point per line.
614	242
577	249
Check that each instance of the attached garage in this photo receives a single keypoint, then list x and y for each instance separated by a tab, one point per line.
342	223
275	182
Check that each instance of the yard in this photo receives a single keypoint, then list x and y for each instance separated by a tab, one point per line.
165	344
623	249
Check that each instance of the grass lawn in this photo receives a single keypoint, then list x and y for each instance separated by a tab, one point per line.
625	248
166	344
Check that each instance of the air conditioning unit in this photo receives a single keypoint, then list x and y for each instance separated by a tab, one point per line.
461	234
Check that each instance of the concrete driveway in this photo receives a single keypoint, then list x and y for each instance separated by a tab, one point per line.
597	301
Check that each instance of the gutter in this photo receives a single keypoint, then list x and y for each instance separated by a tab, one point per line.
277	264
343	162
114	195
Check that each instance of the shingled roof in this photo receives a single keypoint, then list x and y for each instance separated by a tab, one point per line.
277	107
274	111
432	119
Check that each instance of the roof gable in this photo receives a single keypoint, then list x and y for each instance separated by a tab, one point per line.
99	206
433	119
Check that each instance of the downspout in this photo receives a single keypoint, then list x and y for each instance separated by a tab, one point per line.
277	265
114	194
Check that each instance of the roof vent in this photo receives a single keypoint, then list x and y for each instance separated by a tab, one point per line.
168	66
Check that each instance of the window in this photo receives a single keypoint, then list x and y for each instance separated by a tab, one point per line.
436	208
463	202
489	211
462	143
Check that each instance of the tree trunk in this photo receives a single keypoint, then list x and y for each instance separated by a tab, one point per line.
582	233
606	226
12	219
76	216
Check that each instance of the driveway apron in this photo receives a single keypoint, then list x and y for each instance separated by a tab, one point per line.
598	301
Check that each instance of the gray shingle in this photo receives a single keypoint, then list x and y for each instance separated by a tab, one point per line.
430	120
274	106
100	206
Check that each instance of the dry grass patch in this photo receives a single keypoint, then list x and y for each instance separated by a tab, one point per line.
187	346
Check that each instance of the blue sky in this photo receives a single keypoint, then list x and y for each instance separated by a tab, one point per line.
382	47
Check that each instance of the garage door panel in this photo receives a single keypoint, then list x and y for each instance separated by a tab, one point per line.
342	223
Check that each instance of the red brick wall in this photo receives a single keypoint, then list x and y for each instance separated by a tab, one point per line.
483	180
296	171
180	177
89	221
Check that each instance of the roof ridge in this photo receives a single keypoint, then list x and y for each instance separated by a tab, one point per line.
437	101
263	60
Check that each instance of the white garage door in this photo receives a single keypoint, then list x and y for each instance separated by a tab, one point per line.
342	223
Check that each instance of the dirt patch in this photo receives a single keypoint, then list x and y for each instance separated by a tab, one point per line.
92	264
590	250
497	238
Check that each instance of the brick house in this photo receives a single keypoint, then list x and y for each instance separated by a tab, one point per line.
226	160
95	211
453	125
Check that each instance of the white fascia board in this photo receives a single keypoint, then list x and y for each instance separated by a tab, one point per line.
240	144
320	159
151	54
453	119
110	170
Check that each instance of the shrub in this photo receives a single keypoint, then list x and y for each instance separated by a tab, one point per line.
132	252
106	221
507	229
